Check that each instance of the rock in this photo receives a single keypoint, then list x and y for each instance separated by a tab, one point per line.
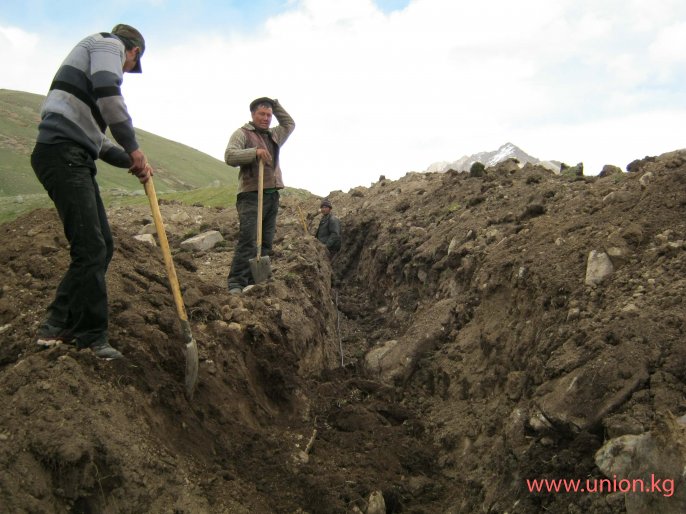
418	484
577	170
374	358
516	380
236	329
646	179
180	217
609	170
532	211
648	468
633	234
422	276
622	424
493	235
454	243
204	241
148	229
580	400
539	422
664	237
48	249
573	314
146	238
301	457
617	197
618	255
395	360
241	315
376	504
672	248
630	310
507	166
598	268
227	312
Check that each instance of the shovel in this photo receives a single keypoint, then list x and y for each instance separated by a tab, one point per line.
302	219
191	346
260	266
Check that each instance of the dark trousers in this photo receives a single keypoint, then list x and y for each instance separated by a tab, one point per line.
67	173
246	249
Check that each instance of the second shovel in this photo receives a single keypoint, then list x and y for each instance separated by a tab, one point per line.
260	266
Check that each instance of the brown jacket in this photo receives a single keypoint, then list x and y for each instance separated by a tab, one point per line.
242	151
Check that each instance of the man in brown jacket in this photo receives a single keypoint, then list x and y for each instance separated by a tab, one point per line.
254	141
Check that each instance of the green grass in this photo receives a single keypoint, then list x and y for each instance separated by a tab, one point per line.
454	206
182	173
177	167
222	196
11	207
14	206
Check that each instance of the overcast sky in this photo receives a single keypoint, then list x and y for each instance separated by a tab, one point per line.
386	86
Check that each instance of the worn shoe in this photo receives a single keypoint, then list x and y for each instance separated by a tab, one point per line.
49	336
103	350
235	290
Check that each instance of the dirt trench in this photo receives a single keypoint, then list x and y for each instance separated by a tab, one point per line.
483	317
474	354
83	435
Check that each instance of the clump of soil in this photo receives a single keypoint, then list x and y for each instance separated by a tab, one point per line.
476	353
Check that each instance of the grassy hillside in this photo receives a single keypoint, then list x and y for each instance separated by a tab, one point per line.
181	172
177	167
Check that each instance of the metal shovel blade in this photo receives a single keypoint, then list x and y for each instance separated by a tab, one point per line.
261	268
191	359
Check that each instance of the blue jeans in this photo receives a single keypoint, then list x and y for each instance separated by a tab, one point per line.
67	172
246	249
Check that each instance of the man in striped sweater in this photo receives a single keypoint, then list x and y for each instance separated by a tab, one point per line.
84	100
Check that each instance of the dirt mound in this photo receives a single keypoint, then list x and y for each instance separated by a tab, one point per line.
480	351
484	316
82	435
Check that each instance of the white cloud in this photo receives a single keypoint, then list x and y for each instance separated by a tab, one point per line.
376	93
24	60
669	47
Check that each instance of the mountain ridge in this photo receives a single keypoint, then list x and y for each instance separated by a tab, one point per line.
491	158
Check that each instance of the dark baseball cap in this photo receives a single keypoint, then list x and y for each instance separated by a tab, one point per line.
134	39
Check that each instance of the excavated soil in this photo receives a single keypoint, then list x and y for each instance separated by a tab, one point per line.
453	351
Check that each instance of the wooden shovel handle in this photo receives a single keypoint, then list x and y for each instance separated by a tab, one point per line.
302	219
260	202
164	245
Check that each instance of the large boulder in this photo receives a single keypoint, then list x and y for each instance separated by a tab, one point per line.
648	468
204	241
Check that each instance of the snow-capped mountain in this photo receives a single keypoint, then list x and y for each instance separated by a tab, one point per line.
506	151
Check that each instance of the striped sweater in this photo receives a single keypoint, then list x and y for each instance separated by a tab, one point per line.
85	98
